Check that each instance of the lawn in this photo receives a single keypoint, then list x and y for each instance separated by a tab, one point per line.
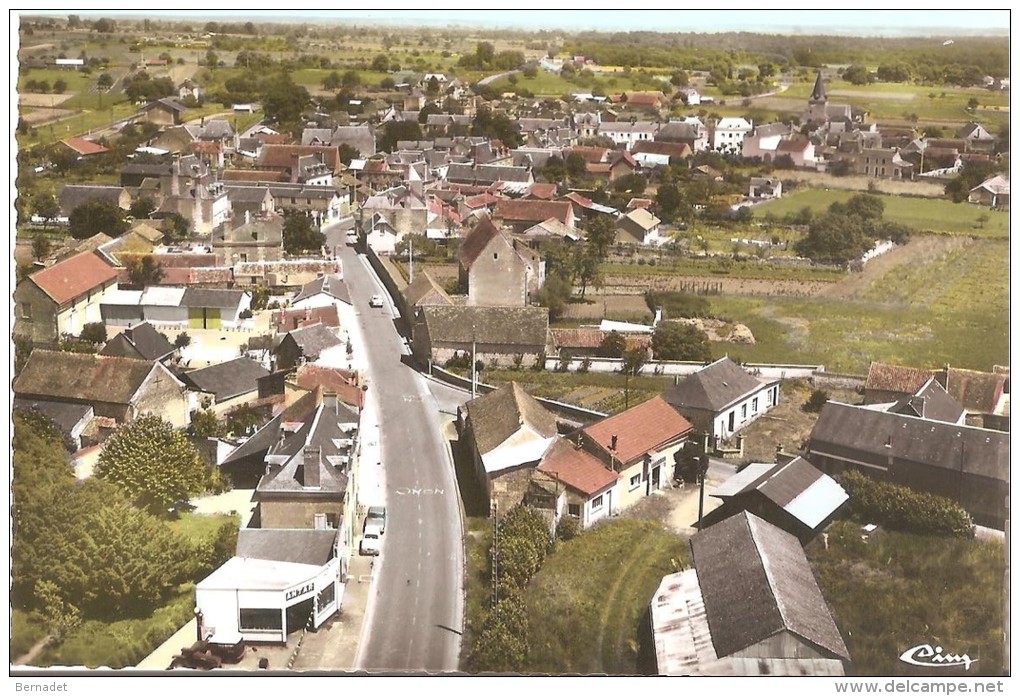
846	336
75	79
900	590
605	392
725	267
588	605
922	214
196	528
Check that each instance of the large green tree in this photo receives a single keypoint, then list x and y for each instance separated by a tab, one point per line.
677	341
283	101
299	235
96	217
152	463
503	643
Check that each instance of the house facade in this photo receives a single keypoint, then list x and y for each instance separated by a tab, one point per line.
722	398
498	270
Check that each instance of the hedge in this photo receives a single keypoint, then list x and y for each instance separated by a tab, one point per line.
898	507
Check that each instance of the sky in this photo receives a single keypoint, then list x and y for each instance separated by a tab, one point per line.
869	22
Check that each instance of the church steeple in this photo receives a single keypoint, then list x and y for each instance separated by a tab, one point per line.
818	93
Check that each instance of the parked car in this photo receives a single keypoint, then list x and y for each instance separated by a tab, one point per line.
376	516
371	542
376	301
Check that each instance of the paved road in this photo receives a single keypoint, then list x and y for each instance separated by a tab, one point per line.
415	614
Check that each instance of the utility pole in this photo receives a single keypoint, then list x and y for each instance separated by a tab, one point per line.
495	556
410	257
474	361
702	471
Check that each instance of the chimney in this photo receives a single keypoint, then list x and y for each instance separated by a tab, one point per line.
330	402
310	467
247	216
613	442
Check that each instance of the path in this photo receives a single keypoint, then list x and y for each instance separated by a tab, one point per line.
34	651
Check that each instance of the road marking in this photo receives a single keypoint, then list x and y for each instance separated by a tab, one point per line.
405	490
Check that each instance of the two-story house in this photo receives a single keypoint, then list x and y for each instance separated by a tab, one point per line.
499	270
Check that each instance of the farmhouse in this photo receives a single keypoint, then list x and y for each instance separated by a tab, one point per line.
497	269
497	335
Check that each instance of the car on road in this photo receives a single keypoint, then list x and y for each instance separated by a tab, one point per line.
376	301
376	516
371	542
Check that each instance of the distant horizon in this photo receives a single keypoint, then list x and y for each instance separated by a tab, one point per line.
876	23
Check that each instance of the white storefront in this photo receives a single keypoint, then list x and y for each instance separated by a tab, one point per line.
264	600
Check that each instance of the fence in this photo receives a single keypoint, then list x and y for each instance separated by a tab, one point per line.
679	368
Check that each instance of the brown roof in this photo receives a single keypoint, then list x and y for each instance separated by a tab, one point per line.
334	380
598	168
253	175
512	328
577	338
645	98
531	210
896	378
793	144
591	155
476	240
74	277
975	391
576	468
294	318
641	429
543	191
285	156
425	290
84	147
678	150
499	414
81	376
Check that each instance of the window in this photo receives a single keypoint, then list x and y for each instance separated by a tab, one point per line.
635	481
261	620
596	502
326	597
743	411
574	509
26	310
495	255
754	405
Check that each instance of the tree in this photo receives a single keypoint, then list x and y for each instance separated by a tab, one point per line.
59	86
300	236
485	52
152	463
601	231
40	247
395	131
586	268
205	424
177	225
91	218
105	81
104	25
282	100
47	208
183	340
381	63
857	75
523	545
613	346
142	208
576	166
554	294
816	401
144	270
242	420
502	644
674	340
972	103
73	21
93	332
332	81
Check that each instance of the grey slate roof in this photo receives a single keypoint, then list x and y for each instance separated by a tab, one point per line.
361	138
310	546
141	342
330	284
227	380
74	195
930	401
674	131
959	448
64	415
506	326
713	388
486	174
211	297
314	339
756	582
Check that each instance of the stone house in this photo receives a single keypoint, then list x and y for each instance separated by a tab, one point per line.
506	433
259	239
74	195
227	385
63	298
497	335
309	344
497	269
639	227
163	112
120	388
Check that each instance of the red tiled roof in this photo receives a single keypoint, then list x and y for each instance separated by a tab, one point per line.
793	144
627	158
645	98
74	277
577	338
525	210
591	155
598	168
576	468
579	199
643	428
678	150
481	201
543	191
285	156
896	378
84	147
294	318
639	203
331	379
209	147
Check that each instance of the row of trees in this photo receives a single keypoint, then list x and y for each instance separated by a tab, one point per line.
847	230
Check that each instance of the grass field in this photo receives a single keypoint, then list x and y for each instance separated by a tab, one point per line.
588	605
922	214
900	590
605	392
75	79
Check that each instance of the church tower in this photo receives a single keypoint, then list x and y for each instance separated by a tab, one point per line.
818	101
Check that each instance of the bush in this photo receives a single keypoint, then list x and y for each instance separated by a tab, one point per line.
816	401
898	507
94	333
523	545
567	528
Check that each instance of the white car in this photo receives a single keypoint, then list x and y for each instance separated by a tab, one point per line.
371	542
376	301
376	517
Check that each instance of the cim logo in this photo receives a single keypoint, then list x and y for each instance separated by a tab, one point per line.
928	656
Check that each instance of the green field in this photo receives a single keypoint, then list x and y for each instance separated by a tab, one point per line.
587	606
899	590
75	79
605	392
312	78
921	214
